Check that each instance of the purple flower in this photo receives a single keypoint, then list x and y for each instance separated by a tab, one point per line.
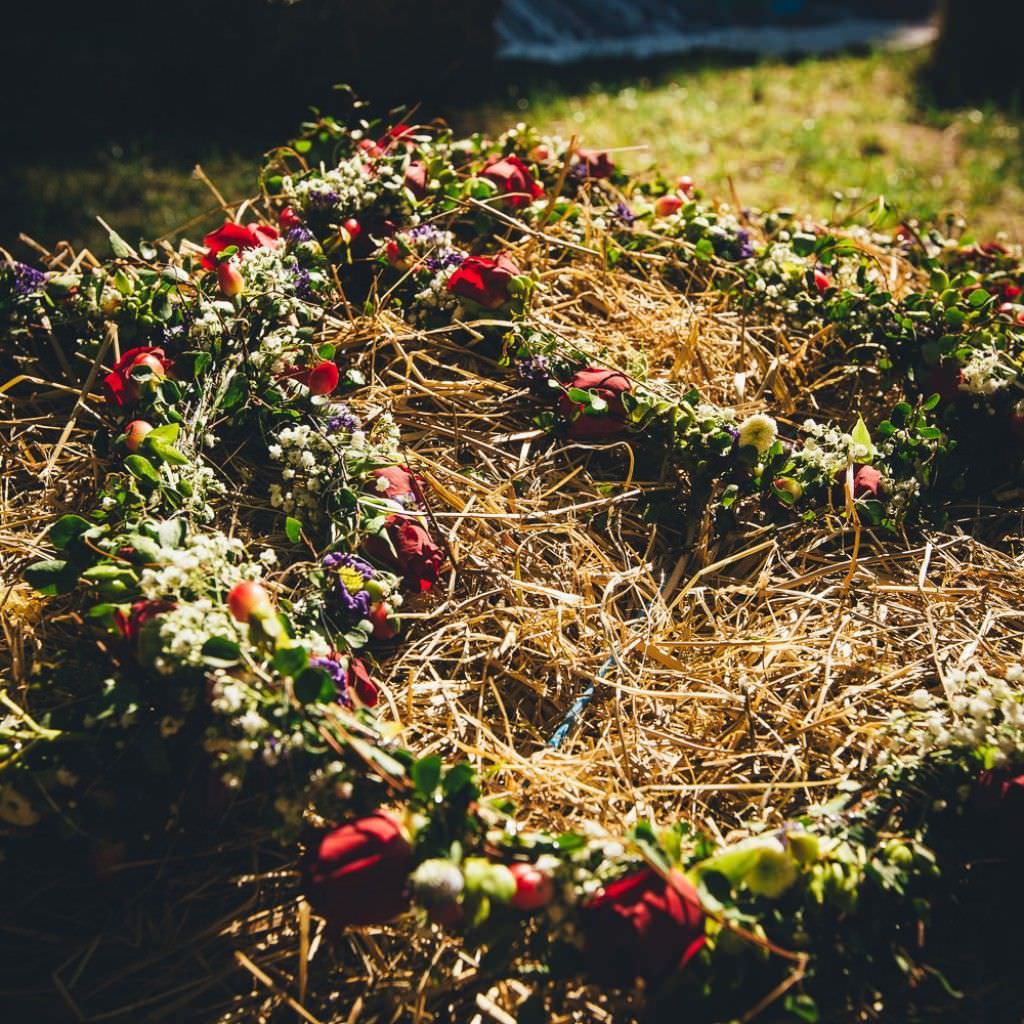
322	200
299	234
338	672
303	283
350	572
534	371
745	248
341	419
624	214
448	259
27	280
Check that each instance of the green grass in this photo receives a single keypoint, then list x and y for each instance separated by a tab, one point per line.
787	135
795	134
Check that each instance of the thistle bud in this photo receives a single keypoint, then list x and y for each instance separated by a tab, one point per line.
135	433
665	206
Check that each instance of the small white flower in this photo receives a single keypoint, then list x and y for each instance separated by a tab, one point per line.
921	699
759	431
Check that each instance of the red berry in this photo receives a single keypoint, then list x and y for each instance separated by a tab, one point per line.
539	154
822	281
1011	292
667	205
230	279
685	184
379	615
323	378
288	218
534	888
135	433
352	228
248	599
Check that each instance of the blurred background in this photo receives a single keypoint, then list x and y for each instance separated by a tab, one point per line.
811	104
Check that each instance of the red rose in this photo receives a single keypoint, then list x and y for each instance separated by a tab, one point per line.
513	179
642	926
120	387
243	236
358	678
998	799
415	554
867	482
596	163
484	280
129	625
402	133
944	381
401	484
358	873
416	178
607	384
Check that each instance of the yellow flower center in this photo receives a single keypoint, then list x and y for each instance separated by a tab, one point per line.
351	579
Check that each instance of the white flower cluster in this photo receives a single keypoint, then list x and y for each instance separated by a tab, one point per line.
207	565
831	450
211	321
349	188
276	276
277	349
187	627
314	460
987	371
975	711
197	484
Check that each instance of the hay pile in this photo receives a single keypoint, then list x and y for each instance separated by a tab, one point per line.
597	668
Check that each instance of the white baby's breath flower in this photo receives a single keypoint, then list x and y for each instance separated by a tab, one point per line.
759	431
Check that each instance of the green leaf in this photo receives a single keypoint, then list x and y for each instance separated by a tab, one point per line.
457	778
167	432
166	452
67	529
292	529
802	1007
290	661
426	774
139	466
220	652
861	435
51	577
175	275
314	685
121	249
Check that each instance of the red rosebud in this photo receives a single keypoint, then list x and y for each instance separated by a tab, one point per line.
514	180
686	185
249	599
1011	292
822	281
352	228
534	888
607	384
402	133
416	178
540	154
380	616
401	484
370	148
253	236
867	482
596	163
120	387
415	554
141	612
135	433
322	379
642	926
484	280
358	679
665	206
229	279
358	874
288	218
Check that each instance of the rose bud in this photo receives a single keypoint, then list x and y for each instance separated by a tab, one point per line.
822	281
534	888
229	279
396	482
867	482
789	486
484	280
249	600
414	552
120	386
513	179
130	624
358	678
610	386
685	184
665	206
540	154
288	218
323	378
416	178
358	874
351	229
1011	292
596	163
380	616
135	433
642	926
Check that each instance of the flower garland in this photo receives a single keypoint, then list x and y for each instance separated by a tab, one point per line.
255	654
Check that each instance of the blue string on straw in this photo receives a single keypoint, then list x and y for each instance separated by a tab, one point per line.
579	705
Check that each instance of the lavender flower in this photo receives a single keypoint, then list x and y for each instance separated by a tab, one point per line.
341	419
303	284
745	248
624	214
448	259
299	234
27	280
534	371
338	672
322	200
